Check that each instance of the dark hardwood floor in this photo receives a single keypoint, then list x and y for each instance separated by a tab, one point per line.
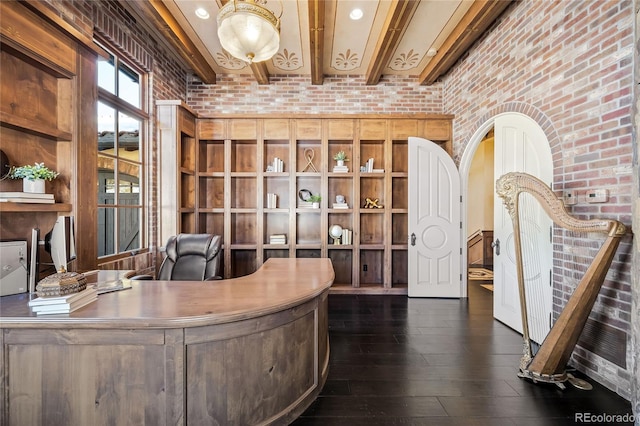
411	361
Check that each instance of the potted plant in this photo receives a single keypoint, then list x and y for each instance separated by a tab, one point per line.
340	157
315	201
33	177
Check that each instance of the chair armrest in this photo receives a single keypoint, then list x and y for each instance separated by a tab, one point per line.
214	278
141	277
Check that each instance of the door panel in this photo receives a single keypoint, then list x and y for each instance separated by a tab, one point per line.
521	145
434	221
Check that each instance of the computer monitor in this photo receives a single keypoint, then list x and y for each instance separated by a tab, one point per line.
60	242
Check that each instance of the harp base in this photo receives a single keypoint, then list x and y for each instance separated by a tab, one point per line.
557	379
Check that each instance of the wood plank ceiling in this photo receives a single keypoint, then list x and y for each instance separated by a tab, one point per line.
414	38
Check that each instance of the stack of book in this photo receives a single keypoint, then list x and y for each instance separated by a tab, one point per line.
272	200
340	169
340	205
368	167
276	166
347	236
26	197
278	239
64	304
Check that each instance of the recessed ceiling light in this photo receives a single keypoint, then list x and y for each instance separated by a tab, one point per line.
356	14
432	52
202	13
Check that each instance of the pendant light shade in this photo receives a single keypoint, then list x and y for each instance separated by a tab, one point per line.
248	30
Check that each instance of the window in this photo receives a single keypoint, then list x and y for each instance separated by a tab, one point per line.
121	139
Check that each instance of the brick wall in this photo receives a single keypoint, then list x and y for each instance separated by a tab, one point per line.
568	65
635	275
296	95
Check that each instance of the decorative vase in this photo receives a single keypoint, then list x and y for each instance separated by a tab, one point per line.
340	163
33	186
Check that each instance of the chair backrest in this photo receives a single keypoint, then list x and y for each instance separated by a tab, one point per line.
191	257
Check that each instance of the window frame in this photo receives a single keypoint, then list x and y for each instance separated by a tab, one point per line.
120	105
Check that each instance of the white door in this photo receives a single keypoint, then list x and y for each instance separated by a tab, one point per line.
521	145
434	221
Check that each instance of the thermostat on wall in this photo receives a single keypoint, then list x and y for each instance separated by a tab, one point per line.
597	196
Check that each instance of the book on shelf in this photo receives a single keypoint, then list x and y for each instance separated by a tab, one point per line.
26	198
340	205
64	304
278	239
340	169
368	166
377	170
272	200
25	195
347	236
277	165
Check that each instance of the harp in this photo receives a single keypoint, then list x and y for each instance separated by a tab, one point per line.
549	362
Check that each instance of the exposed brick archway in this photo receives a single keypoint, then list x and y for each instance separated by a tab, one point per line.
536	115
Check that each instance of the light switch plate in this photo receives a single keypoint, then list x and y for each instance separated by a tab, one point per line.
570	197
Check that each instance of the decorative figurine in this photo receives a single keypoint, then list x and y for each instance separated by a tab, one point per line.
372	204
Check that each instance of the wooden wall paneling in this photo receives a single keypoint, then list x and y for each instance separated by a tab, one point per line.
168	176
240	129
356	161
23	30
292	193
388	195
259	183
211	129
82	159
87	390
48	114
439	131
228	271
307	128
401	129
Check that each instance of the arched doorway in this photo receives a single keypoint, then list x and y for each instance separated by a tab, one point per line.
520	144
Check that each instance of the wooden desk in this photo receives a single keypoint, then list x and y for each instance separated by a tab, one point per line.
250	350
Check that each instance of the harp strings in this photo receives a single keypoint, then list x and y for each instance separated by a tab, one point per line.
579	250
535	243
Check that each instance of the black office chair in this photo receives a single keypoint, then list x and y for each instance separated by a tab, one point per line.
190	257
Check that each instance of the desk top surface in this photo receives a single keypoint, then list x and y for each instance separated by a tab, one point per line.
279	284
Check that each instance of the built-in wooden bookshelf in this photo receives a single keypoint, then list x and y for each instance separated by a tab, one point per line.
235	173
47	115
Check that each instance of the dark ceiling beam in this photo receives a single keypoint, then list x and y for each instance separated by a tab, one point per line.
316	40
477	19
398	18
157	14
260	72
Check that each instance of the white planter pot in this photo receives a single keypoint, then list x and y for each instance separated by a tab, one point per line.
33	186
315	205
340	163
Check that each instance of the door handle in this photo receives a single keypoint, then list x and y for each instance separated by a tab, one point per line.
496	244
413	239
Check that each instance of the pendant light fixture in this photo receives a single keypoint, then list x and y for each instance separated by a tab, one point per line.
248	30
